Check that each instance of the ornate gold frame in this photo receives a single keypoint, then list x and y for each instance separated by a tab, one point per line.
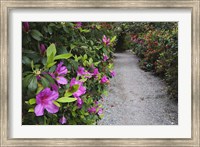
6	5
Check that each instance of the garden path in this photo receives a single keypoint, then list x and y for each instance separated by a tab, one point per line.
137	97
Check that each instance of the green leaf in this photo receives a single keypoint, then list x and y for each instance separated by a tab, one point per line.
27	80
85	56
66	100
52	69
49	78
26	61
50	30
76	58
33	84
36	35
84	30
85	63
32	65
40	88
31	110
72	46
32	101
113	39
84	47
51	64
105	51
51	49
71	90
56	103
90	60
45	82
63	56
97	63
50	59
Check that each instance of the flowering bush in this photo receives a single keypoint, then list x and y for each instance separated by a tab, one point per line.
66	69
158	50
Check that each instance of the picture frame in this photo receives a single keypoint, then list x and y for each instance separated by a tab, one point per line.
4	76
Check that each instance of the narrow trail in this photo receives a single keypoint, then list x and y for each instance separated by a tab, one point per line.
137	97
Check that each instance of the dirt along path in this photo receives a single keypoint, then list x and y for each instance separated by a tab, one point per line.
137	97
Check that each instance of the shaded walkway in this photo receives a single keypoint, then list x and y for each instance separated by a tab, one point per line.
137	97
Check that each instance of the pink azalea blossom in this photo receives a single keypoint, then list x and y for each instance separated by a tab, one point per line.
80	71
105	57
59	74
100	111
87	74
106	40
113	73
38	77
95	72
61	70
54	87
81	90
42	49
62	120
44	100
104	79
78	24
92	110
25	26
79	102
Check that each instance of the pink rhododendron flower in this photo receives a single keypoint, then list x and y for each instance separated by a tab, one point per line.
59	73
78	24
106	40
42	49
92	110
113	73
62	120
81	90
25	26
100	111
105	57
79	102
80	71
61	70
87	74
104	79
95	72
54	87
38	77
44	100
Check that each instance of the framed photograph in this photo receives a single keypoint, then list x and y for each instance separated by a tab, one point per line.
100	73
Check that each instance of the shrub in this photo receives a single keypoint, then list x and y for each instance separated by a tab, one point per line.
66	69
158	50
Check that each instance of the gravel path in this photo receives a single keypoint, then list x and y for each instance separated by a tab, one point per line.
137	97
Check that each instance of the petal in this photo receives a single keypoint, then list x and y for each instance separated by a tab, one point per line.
45	92
73	80
39	110
54	87
62	70
53	96
61	80
80	91
51	108
62	120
